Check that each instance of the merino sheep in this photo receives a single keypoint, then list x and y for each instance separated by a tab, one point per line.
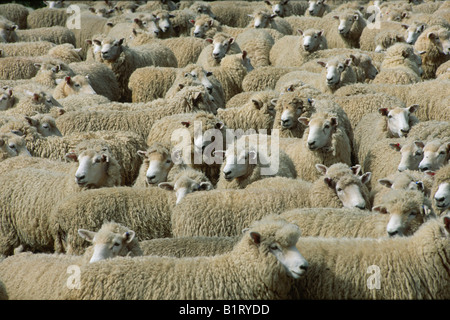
219	213
156	165
14	68
30	49
289	107
57	35
16	13
258	43
76	85
112	240
252	160
30	205
436	153
257	113
264	19
12	146
317	8
290	51
387	32
7	31
257	249
47	17
124	60
264	78
221	45
440	191
435	41
411	255
185	49
189	99
285	8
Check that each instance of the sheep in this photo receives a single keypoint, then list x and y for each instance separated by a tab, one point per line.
289	107
435	42
285	8
15	68
406	180
251	161
231	72
269	242
258	44
47	17
234	14
264	78
411	154
221	45
386	32
164	23
12	146
80	101
400	66
433	105
413	31
317	8
89	209
394	123
33	102
185	49
7	31
186	181
7	100
436	153
101	78
155	5
199	214
36	48
290	51
264	19
161	79
30	208
440	191
76	85
124	60
443	72
410	254
112	240
257	113
16	13
189	99
57	35
142	24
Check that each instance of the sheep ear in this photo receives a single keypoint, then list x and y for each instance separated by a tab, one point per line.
143	154
105	158
251	15
383	111
256	237
267	2
86	234
427	211
413	108
166	186
431	36
365	177
321	168
334	121
395	146
258	104
244	54
300	31
323	64
31	121
96	42
121	41
129	236
208	73
380	209
72	156
274	101
405	26
17	132
186	124
420	185
419	144
209	40
320	33
356	169
386	182
205	186
68	80
356	16
273	16
304	121
446	221
219	125
336	17
329	182
231	41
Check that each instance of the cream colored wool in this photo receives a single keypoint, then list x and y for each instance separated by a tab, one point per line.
258	43
46	17
56	34
185	49
30	49
252	270
264	78
206	58
16	13
442	175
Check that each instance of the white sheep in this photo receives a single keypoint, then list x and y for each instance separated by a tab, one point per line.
220	45
258	43
69	86
441	190
267	246
30	205
12	146
112	240
317	8
436	153
285	8
264	19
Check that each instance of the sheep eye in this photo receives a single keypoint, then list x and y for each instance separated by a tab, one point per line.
77	85
442	153
168	161
97	160
418	153
327	126
116	244
45	126
274	247
412	214
12	146
338	189
390	116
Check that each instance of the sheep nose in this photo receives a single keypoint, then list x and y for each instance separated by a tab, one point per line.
196	34
151	178
404	130
80	178
306	46
392	233
423	169
311	11
409	42
439	199
227	173
304	267
360	206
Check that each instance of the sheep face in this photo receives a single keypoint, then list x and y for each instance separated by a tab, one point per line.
239	165
12	145
436	154
221	47
92	168
413	32
398	120
162	19
346	23
334	70
411	155
278	7
6	100
7	32
107	244
54	4
159	165
311	39
110	50
290	112
45	125
77	85
403	182
262	19
315	7
442	196
185	185
202	8
278	238
201	27
407	213
320	131
365	62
